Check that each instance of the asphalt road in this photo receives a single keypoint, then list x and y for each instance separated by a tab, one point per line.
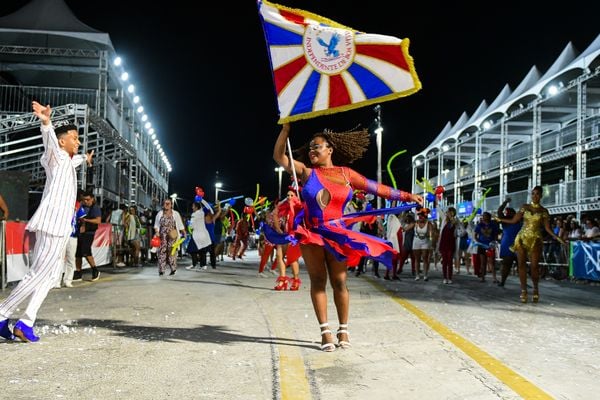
226	334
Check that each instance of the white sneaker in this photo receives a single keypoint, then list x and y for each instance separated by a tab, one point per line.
262	275
67	284
445	281
121	264
204	268
190	267
273	271
418	277
449	281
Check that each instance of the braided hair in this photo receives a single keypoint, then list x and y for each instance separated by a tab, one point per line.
348	146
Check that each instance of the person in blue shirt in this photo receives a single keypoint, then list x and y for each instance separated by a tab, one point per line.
509	233
486	232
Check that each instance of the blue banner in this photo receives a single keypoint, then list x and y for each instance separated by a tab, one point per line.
585	260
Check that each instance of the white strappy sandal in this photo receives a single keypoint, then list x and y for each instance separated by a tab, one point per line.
327	347
344	344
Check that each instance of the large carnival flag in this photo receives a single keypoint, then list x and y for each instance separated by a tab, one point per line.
321	67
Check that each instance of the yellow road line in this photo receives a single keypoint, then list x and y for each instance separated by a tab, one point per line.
506	375
292	374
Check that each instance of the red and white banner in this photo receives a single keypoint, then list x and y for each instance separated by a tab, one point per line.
19	242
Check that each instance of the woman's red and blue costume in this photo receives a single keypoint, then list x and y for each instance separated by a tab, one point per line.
326	225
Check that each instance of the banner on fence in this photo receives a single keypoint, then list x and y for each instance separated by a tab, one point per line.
19	242
585	260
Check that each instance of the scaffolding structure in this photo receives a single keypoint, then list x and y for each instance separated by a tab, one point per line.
74	73
546	132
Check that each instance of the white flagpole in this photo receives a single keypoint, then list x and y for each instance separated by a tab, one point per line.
289	146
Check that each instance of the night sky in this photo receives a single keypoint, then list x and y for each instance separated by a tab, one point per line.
220	114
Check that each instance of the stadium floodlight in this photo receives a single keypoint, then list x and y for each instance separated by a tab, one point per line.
487	125
117	61
145	118
153	137
130	88
147	125
140	109
124	76
552	90
136	99
151	131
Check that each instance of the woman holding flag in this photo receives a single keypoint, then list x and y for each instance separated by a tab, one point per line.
326	242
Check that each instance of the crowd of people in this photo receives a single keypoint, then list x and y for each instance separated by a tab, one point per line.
325	219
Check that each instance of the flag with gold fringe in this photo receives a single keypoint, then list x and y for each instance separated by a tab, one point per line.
321	67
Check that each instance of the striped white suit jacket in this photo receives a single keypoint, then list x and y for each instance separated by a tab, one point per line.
56	209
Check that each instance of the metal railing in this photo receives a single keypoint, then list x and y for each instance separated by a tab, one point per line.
17	99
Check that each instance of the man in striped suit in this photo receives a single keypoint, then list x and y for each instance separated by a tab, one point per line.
51	223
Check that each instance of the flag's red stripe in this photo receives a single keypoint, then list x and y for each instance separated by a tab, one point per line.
290	16
288	71
338	92
390	53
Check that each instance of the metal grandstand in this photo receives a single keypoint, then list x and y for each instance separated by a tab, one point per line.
545	132
48	55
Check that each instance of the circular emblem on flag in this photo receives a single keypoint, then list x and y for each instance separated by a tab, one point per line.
329	50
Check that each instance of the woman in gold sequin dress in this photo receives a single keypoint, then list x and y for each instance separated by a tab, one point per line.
529	240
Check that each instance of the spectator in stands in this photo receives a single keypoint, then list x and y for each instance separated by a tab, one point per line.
529	240
575	231
592	232
4	209
51	223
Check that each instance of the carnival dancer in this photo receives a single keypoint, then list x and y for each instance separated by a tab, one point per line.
326	241
287	254
529	240
51	223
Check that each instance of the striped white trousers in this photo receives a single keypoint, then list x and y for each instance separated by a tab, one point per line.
47	262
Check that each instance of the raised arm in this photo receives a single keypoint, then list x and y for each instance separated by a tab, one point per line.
359	182
281	158
48	136
515	219
502	206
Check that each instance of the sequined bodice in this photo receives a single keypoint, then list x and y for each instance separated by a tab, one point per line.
312	193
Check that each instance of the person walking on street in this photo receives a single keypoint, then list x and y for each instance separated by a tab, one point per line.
168	226
509	233
51	224
87	231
